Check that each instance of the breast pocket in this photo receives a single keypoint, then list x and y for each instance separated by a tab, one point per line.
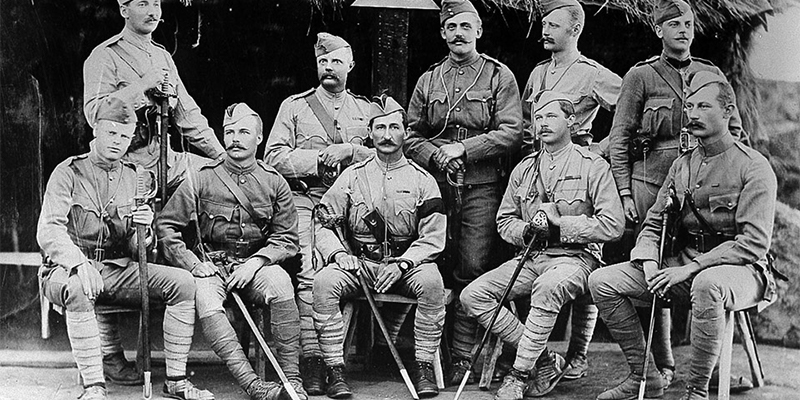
311	135
358	209
657	116
723	209
527	201
571	190
478	105
437	106
405	213
214	219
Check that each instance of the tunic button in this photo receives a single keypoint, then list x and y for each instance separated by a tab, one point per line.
461	72
697	186
111	178
458	90
458	109
241	180
242	224
730	204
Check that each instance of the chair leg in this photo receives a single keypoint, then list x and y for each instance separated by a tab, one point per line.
749	344
490	362
44	308
261	364
349	318
725	358
437	368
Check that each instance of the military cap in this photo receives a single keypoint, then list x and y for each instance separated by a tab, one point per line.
545	7
703	79
382	106
327	43
666	10
548	97
451	8
115	110
236	112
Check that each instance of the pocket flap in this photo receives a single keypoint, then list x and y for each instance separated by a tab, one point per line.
479	95
728	201
215	210
656	103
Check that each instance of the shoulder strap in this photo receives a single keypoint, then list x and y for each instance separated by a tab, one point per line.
240	196
327	122
660	73
363	186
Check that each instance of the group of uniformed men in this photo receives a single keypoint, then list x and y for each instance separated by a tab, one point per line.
365	188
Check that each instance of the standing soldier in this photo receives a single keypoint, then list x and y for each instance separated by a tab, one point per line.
726	194
398	259
465	118
575	191
316	134
241	207
647	136
589	86
87	230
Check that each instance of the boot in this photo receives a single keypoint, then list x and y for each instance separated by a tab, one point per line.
94	393
297	385
513	387
458	369
117	369
264	390
549	371
337	383
313	373
577	368
185	390
667	376
737	385
425	380
629	388
694	394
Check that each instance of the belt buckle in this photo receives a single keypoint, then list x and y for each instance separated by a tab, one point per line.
700	242
461	134
241	247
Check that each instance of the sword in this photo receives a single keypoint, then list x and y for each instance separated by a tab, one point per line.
143	195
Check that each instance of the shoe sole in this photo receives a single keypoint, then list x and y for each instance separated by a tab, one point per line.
552	386
647	395
574	377
344	395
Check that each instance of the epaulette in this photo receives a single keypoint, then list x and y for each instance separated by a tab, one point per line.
436	64
703	61
111	40
419	168
267	167
362	163
586	153
213	163
587	60
543	62
358	96
72	159
301	95
128	164
158	45
747	150
492	59
648	61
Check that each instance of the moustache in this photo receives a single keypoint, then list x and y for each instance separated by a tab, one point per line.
154	20
545	40
696	125
387	143
235	146
329	76
459	40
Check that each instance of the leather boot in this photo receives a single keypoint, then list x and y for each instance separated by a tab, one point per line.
285	328
264	390
458	369
629	388
313	373
548	372
337	383
694	394
513	387
425	380
117	369
94	393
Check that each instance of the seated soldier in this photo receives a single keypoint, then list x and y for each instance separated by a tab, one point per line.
575	191
726	195
397	257
243	208
87	229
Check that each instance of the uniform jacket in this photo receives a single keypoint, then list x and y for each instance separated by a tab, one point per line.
404	194
297	136
206	200
482	97
114	67
651	105
587	83
734	189
581	185
87	205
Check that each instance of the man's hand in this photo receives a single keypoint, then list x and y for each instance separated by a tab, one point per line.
347	262
91	280
553	216
446	153
336	154
244	273
630	209
153	78
663	280
454	165
204	269
388	275
142	215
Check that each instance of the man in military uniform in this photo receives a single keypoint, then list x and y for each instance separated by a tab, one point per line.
132	67
726	194
316	134
590	86
575	191
242	207
465	117
87	229
406	199
646	135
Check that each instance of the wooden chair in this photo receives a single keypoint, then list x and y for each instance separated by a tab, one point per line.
350	314
741	319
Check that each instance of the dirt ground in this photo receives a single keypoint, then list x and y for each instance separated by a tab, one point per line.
58	381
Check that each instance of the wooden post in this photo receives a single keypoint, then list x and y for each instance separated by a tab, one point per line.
390	54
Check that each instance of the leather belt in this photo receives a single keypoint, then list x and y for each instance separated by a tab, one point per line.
102	254
239	249
374	251
704	242
303	184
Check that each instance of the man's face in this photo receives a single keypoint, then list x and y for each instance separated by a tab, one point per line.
388	133
557	30
461	32
332	69
142	16
551	124
242	138
677	34
112	139
707	117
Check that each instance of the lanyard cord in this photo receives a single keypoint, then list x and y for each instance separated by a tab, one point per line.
452	106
